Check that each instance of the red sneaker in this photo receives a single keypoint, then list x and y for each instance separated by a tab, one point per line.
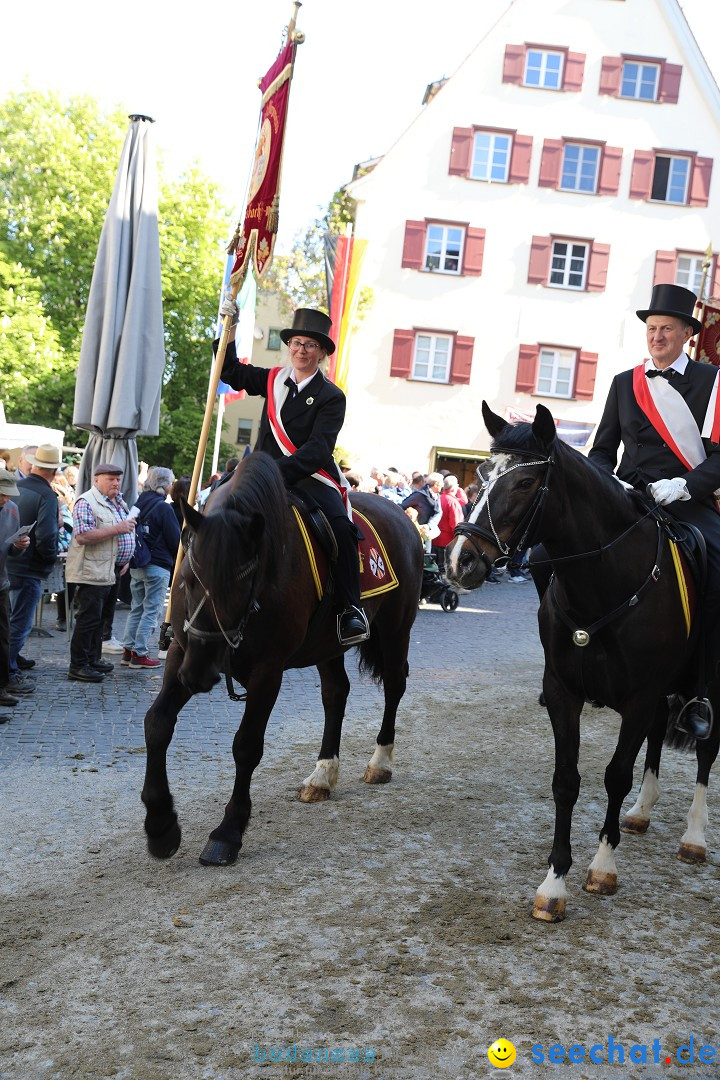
126	657
143	662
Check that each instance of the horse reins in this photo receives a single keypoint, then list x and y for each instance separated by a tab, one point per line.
233	638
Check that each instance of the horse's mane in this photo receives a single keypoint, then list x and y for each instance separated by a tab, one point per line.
256	487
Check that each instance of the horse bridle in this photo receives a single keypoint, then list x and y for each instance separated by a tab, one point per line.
520	537
233	638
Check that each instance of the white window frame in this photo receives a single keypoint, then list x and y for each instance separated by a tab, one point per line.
274	341
638	81
557	360
584	150
442	255
431	341
544	74
690	275
566	269
672	158
243	422
494	148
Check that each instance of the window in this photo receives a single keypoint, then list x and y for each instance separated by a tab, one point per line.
491	156
689	274
686	268
543	69
244	432
274	340
670	179
580	167
443	249
639	80
555	372
446	247
432	357
436	356
568	265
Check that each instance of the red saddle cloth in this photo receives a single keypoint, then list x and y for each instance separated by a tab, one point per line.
376	571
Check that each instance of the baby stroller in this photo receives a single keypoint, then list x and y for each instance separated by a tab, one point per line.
435	589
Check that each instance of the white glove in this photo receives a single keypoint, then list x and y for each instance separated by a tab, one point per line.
229	307
628	487
669	491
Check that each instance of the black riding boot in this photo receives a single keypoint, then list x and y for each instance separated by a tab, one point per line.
352	624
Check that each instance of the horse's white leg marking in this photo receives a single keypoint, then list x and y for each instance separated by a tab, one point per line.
550	899
638	818
321	781
692	845
602	872
378	770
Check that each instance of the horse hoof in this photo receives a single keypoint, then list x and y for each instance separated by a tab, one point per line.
691	853
219	853
634	826
601	884
164	845
311	793
377	776
549	908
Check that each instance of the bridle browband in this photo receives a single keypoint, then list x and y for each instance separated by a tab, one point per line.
521	536
233	638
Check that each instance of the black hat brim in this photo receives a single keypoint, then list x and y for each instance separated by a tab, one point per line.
697	326
327	343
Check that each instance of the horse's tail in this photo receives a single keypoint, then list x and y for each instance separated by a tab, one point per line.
370	660
678	740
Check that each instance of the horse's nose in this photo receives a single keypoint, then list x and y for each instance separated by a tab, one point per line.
466	560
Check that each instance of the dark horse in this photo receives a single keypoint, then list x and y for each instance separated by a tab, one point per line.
245	600
611	623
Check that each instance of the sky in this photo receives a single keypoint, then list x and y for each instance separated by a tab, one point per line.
359	77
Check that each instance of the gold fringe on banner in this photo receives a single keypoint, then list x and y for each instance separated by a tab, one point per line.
273	218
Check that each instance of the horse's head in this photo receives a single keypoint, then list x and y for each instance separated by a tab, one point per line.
220	579
507	511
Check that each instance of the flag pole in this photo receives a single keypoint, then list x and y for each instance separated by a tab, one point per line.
216	371
699	303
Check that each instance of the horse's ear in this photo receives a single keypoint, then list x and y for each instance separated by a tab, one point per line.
543	427
193	519
494	423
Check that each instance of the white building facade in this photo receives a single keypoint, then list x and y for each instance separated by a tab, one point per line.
520	221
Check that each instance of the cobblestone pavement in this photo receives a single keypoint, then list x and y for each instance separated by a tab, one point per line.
92	726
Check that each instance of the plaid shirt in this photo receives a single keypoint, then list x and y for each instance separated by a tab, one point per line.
84	521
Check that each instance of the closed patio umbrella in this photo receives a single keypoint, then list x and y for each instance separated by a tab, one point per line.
119	377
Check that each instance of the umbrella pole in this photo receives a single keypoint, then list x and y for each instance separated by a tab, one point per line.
200	455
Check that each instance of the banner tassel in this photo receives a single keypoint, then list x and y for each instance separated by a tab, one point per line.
273	217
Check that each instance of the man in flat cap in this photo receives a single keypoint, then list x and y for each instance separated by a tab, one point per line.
102	543
9	540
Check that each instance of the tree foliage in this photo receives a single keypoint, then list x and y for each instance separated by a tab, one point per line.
58	162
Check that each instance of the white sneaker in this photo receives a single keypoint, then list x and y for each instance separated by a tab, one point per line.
113	646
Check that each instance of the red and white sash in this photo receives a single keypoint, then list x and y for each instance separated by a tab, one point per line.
670	415
276	398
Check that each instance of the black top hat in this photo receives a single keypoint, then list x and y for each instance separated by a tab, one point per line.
313	324
672	300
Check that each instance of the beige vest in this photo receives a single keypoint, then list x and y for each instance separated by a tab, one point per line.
93	564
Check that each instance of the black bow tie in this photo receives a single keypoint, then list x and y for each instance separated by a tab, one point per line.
293	386
652	373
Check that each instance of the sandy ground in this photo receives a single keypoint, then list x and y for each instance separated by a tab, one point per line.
391	924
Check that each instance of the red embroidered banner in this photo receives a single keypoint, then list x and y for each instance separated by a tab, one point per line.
256	239
708	349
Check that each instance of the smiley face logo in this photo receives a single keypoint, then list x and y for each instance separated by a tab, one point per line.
501	1054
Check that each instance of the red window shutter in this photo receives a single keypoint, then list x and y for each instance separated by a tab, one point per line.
519	171
574	71
539	269
402	354
414	245
610	167
474	251
514	65
642	174
460	151
669	87
598	267
585	374
665	267
527	369
700	181
611	75
462	357
551	163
